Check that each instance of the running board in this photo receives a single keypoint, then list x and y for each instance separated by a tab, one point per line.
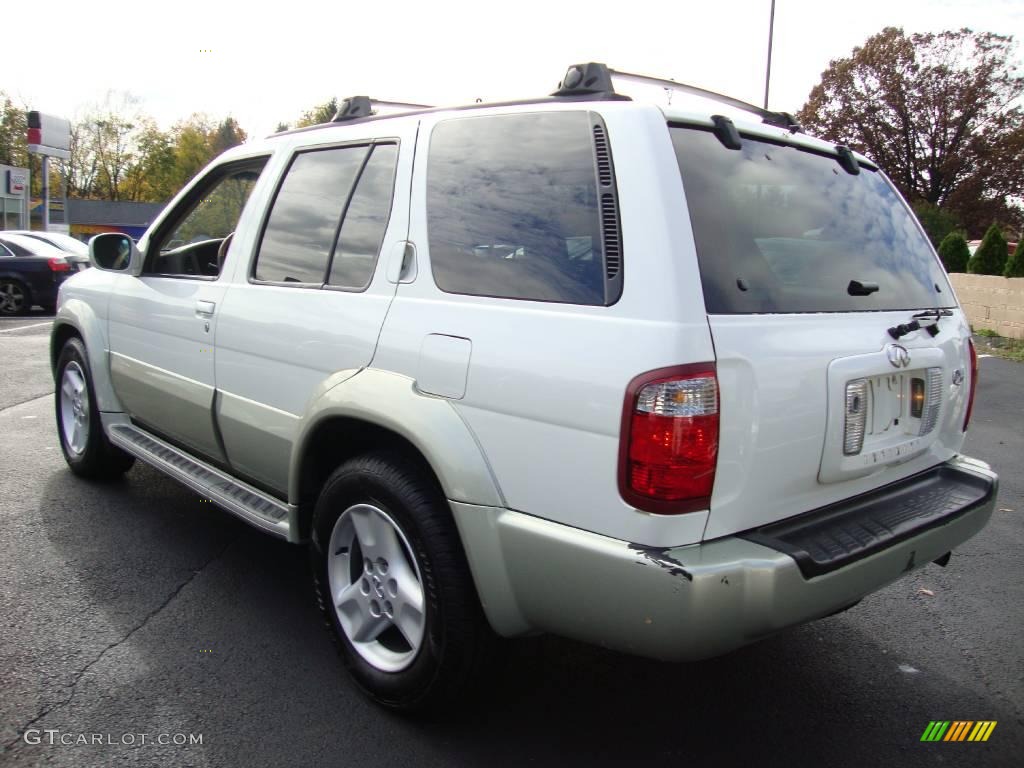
255	507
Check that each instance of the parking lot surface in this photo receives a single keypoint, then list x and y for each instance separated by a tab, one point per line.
137	609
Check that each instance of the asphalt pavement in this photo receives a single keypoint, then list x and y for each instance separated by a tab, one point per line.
135	612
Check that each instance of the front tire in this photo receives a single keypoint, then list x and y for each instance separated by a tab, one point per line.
394	586
86	448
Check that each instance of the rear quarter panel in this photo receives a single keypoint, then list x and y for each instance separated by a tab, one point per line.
545	382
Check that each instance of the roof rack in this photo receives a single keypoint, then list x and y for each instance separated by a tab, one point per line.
363	106
596	78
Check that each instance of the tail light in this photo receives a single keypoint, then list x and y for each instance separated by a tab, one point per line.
669	439
58	264
856	416
974	382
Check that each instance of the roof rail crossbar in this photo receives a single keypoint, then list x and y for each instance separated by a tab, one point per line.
399	104
352	108
596	78
363	106
582	79
780	119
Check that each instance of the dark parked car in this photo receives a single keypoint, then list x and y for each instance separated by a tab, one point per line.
75	251
30	274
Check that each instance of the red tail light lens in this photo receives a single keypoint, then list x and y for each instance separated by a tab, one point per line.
669	442
974	382
57	264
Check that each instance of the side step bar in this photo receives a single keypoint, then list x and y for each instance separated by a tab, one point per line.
255	507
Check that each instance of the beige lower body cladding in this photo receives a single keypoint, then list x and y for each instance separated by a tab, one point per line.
995	303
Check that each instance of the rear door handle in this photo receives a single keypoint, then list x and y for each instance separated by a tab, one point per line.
205	308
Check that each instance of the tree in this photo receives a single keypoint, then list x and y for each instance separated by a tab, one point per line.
937	112
937	222
1015	264
152	177
104	147
228	134
322	113
954	252
193	147
13	129
991	256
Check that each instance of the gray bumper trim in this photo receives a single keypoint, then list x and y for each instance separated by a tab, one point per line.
680	603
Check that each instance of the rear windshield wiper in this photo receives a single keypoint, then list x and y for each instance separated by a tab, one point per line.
927	320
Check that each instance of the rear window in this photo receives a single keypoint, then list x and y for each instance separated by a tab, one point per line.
780	229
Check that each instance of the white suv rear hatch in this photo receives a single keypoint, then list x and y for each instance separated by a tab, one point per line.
805	267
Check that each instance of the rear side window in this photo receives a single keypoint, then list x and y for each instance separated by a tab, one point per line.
514	208
366	220
303	223
329	217
779	230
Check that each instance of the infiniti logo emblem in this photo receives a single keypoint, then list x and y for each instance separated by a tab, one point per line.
898	355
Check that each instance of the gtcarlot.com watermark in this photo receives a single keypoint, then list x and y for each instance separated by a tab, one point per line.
53	737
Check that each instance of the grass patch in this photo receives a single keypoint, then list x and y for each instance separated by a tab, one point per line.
992	343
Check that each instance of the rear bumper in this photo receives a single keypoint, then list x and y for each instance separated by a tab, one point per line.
687	602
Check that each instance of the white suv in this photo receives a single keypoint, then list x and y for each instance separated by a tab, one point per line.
650	378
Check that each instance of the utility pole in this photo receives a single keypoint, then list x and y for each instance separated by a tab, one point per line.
768	69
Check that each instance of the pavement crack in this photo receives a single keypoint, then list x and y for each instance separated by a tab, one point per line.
148	617
30	400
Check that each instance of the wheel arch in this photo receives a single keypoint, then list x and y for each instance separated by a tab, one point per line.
375	410
75	318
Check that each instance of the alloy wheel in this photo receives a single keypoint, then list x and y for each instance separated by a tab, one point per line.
12	298
74	407
376	587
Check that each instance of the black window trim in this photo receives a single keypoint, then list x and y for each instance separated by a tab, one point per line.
611	297
306	149
216	174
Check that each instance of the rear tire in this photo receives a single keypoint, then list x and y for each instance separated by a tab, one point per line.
394	586
15	297
85	446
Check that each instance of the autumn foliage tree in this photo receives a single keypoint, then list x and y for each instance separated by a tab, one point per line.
938	112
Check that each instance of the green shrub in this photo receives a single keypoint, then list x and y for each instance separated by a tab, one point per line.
990	258
937	222
954	252
1015	264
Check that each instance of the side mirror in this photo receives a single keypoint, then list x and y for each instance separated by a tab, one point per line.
115	252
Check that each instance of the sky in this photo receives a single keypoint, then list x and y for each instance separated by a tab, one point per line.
265	63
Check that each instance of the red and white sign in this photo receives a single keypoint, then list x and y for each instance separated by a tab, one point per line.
16	181
49	135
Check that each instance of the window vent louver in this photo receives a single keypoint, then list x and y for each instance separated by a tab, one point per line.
604	163
610	233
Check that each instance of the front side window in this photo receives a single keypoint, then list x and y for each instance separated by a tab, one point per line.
513	208
188	244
